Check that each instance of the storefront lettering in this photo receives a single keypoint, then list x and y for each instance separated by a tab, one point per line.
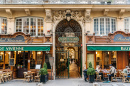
68	39
121	38
1	48
18	38
125	48
14	48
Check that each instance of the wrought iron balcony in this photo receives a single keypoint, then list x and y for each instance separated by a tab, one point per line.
99	2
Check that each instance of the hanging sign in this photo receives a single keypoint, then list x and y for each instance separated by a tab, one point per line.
68	39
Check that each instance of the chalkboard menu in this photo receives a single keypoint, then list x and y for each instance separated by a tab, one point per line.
11	62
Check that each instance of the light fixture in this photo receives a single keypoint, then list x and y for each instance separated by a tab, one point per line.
38	52
9	53
96	52
108	52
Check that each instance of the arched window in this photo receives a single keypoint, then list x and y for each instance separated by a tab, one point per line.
30	25
3	25
104	25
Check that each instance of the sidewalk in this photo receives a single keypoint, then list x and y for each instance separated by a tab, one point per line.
62	82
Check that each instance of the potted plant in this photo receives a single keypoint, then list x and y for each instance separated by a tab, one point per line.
43	74
91	73
109	2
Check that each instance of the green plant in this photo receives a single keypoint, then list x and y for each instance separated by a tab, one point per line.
43	71
90	71
45	66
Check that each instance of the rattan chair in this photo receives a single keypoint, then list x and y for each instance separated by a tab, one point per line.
114	79
98	77
1	78
37	78
5	75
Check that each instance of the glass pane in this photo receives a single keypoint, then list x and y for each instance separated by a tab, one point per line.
32	60
1	59
106	59
39	57
107	25
126	25
113	58
101	26
18	25
90	58
3	25
7	56
33	27
96	27
47	60
113	25
40	27
26	25
99	58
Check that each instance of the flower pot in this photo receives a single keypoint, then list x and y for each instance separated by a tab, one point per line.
109	3
43	78
91	78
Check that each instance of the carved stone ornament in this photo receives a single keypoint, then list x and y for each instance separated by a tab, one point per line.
48	15
87	15
77	15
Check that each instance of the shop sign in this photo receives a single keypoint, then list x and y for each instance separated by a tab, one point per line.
68	39
125	48
121	38
26	48
18	38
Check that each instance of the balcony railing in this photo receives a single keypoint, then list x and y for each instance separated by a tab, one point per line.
99	2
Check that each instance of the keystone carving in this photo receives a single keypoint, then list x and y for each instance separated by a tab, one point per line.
27	11
106	12
87	15
121	12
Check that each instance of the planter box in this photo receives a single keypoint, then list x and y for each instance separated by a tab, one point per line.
91	78
44	78
109	3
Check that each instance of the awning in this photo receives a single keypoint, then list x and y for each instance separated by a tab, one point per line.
24	47
108	47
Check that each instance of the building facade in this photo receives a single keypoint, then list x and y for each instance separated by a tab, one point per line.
78	31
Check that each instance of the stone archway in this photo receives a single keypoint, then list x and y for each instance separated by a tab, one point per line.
67	34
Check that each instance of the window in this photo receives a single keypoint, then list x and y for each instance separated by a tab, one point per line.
103	26
105	58
126	24
3	25
30	25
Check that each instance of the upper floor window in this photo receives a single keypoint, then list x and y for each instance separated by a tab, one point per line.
126	24
31	25
104	25
3	25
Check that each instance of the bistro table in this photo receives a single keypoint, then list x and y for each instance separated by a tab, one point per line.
106	73
31	74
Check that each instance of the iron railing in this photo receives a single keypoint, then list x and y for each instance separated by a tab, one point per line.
103	2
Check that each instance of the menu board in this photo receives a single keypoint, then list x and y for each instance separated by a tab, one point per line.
11	62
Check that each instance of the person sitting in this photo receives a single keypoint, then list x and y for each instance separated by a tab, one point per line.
112	71
98	68
126	69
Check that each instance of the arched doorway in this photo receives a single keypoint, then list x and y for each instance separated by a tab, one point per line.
68	41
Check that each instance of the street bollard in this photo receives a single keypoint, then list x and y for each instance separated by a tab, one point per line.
95	84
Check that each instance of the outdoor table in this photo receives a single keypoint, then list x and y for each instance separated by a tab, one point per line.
106	73
31	73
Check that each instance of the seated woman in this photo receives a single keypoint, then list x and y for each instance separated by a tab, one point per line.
98	68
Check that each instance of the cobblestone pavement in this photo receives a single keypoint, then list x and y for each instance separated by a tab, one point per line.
62	82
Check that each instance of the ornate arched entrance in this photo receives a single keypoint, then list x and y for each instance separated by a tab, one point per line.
68	46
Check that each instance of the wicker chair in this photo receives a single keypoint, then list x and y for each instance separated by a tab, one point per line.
114	79
98	77
1	78
5	75
37	77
